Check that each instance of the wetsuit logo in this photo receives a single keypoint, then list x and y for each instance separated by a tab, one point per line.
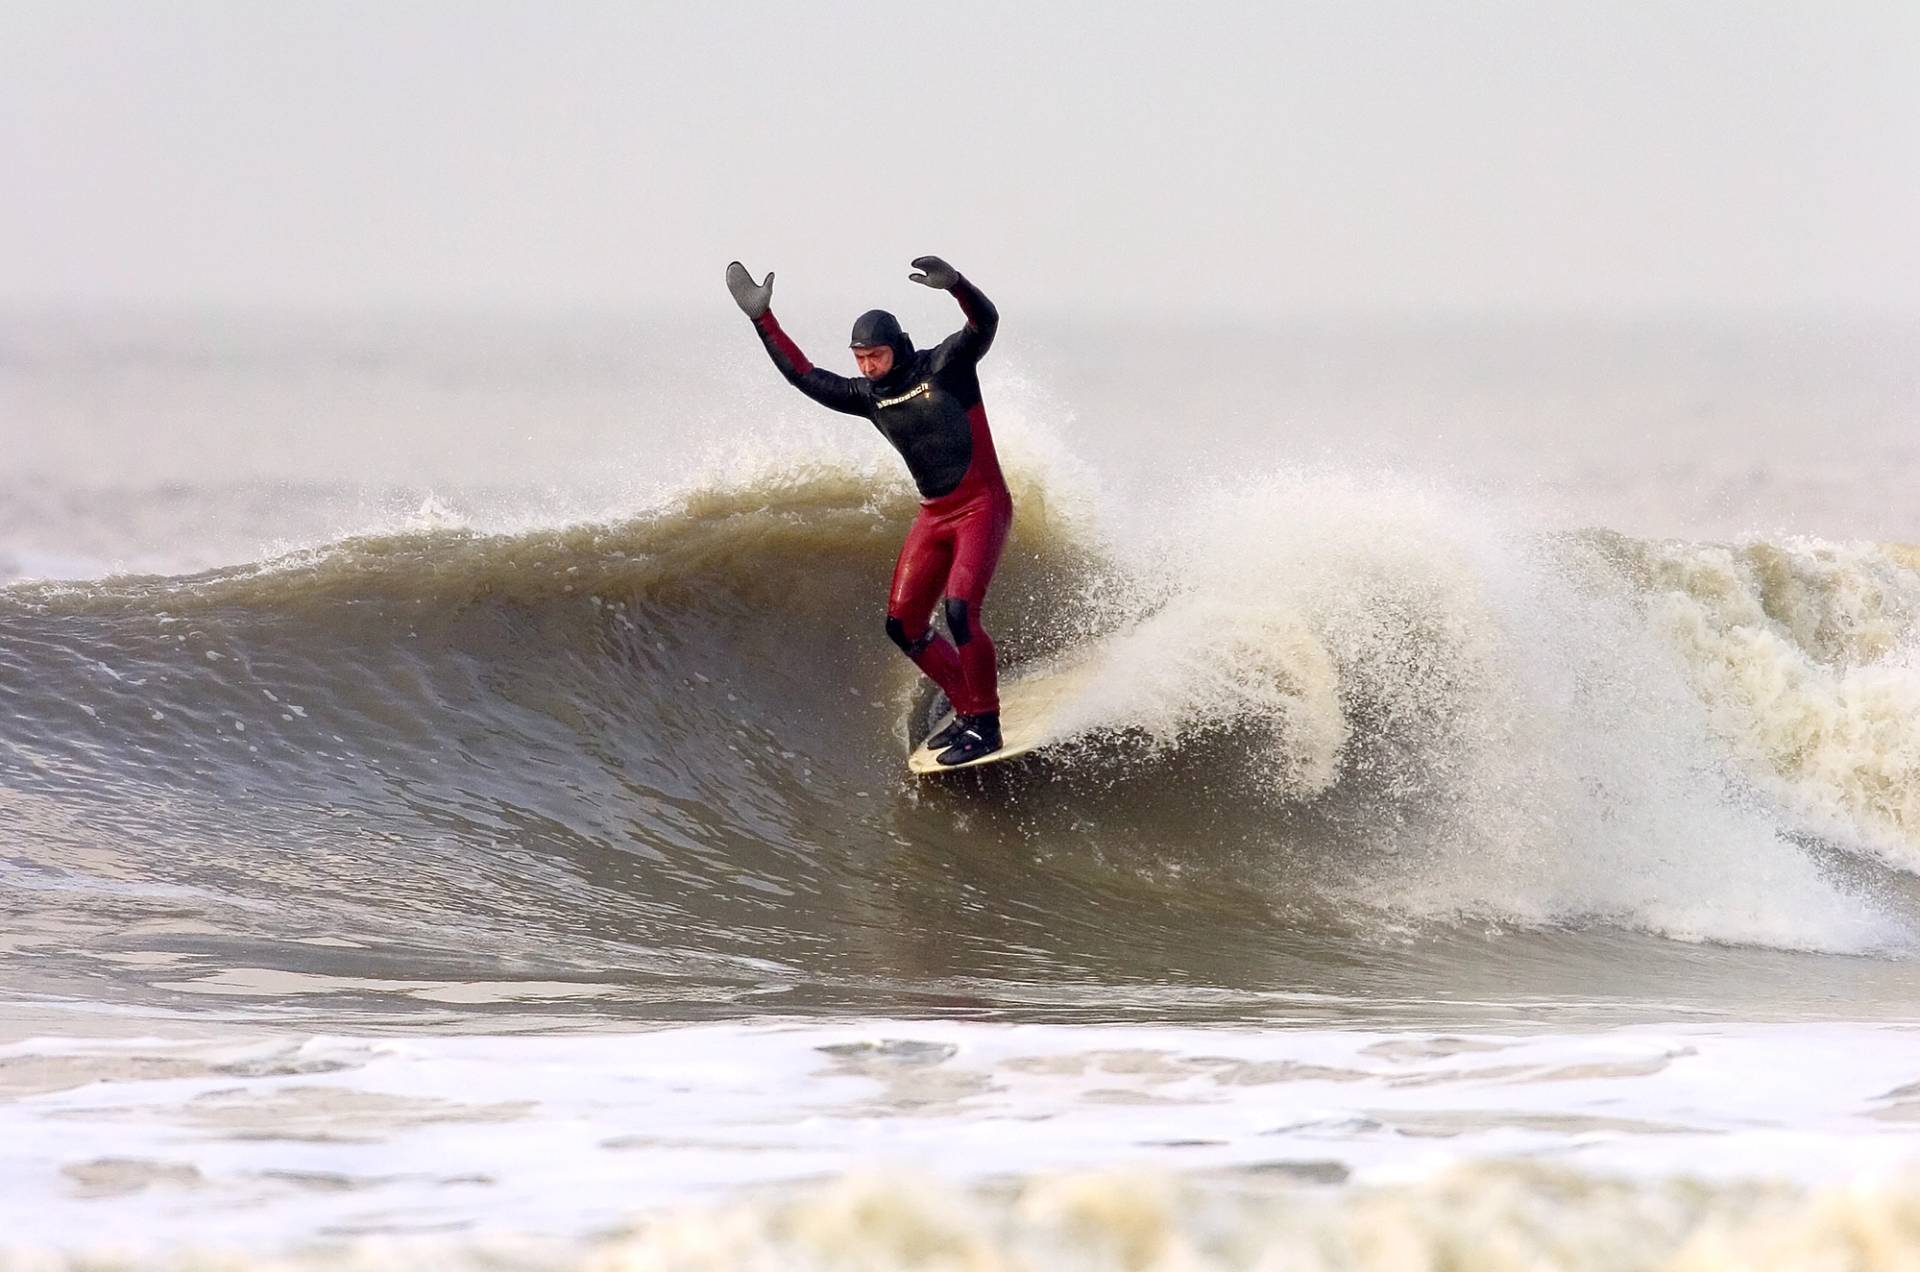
908	396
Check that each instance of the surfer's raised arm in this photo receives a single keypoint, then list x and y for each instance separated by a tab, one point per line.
829	390
973	340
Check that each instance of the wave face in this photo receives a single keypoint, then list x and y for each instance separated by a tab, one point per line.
1334	715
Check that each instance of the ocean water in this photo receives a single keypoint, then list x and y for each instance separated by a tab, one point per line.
453	810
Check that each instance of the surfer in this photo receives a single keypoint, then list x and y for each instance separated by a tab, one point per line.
927	403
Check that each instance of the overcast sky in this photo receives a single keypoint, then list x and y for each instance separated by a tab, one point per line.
1090	157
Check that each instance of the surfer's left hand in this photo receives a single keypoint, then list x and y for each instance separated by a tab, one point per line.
935	273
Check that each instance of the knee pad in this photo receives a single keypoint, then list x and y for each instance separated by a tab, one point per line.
897	633
956	608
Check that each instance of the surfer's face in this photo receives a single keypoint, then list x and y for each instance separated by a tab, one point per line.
875	361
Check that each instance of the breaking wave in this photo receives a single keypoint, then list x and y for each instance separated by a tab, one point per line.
1324	703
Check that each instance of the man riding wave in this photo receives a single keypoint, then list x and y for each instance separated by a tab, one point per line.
927	403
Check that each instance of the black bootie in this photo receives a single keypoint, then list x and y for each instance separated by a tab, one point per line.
979	736
946	737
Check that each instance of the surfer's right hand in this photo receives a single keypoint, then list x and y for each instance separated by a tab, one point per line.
753	298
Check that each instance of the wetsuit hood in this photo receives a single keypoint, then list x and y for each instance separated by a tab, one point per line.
878	327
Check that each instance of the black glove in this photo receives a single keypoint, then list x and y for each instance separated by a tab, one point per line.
753	298
937	273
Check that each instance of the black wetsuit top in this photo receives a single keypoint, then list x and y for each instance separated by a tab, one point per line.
925	405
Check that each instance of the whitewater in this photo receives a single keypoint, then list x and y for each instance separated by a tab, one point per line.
453	808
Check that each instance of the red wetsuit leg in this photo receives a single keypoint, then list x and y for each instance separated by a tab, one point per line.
980	532
918	576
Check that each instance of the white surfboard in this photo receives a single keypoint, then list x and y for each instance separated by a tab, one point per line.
1030	715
